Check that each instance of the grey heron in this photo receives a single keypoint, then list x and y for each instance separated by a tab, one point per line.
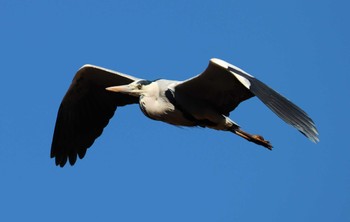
204	100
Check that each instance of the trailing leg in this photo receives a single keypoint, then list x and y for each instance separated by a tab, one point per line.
221	122
257	139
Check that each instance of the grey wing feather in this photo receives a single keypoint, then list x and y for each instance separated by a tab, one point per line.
224	86
85	110
282	107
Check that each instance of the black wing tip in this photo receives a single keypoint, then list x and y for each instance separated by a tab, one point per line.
311	132
63	154
306	127
62	159
312	138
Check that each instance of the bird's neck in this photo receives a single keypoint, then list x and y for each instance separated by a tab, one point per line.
151	91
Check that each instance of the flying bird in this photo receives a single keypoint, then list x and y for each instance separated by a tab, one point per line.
205	100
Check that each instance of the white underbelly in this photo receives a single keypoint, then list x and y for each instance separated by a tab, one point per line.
164	112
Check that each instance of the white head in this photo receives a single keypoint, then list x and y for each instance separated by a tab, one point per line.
135	88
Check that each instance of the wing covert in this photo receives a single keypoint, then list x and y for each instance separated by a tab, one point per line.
217	87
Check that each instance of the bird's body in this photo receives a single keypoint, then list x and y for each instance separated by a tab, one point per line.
204	100
158	103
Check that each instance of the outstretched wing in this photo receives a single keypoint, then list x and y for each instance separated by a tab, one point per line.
216	87
85	110
224	86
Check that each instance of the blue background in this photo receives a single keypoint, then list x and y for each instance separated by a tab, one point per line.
142	170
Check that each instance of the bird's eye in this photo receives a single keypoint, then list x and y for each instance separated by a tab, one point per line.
139	86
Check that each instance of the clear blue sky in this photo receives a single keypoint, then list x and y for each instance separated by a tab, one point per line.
142	170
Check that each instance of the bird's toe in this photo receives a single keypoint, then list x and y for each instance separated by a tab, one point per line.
261	141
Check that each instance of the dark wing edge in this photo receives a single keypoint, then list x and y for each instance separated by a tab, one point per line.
281	106
85	110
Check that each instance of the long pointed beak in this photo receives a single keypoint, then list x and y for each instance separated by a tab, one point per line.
121	89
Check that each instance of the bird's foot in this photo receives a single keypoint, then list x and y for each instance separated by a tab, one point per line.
257	139
261	141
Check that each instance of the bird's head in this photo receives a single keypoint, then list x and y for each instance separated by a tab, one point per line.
135	88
